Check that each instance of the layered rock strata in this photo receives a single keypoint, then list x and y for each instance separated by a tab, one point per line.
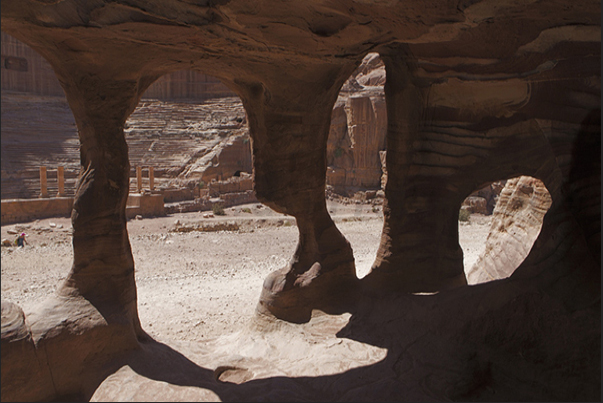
516	222
356	137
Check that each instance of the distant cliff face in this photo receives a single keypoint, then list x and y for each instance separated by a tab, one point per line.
358	130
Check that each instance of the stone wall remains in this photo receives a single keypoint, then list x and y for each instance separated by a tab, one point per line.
23	210
146	205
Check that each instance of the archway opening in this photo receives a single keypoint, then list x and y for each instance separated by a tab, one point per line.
192	131
498	225
356	160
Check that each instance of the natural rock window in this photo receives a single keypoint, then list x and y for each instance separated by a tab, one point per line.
192	129
358	129
355	157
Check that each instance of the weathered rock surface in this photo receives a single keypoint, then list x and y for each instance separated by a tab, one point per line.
356	137
485	344
357	133
516	222
475	92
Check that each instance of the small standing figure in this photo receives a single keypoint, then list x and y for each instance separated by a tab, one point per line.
21	241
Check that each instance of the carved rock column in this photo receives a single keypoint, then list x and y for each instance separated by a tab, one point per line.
419	250
103	269
289	121
139	179
151	178
43	182
61	181
93	319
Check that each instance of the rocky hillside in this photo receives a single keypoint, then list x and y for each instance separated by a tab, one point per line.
187	141
181	140
37	131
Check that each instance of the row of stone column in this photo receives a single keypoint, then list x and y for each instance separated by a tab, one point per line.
61	181
139	179
44	182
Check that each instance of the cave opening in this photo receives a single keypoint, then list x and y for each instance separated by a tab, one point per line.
192	130
356	159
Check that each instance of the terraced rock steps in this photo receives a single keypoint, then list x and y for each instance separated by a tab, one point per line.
169	136
181	139
37	131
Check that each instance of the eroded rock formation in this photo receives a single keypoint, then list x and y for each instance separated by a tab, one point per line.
358	129
475	92
516	222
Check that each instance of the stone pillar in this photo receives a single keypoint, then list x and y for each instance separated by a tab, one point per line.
43	183
289	125
419	249
61	181
93	316
151	178
102	275
433	162
139	179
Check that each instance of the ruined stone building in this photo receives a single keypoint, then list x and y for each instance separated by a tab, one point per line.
475	92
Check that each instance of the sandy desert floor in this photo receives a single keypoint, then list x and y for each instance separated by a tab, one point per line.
198	285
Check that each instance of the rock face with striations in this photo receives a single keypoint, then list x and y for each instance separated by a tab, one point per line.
516	222
356	137
357	133
475	92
